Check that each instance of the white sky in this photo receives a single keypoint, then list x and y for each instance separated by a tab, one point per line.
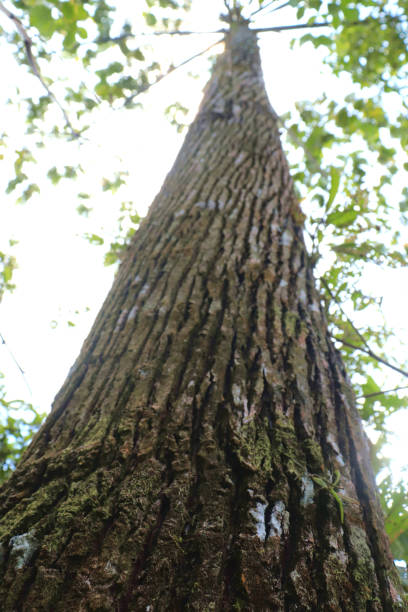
60	273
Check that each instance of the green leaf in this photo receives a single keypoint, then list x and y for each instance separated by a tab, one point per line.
41	18
370	386
336	478
135	218
351	14
68	10
54	175
334	185
339	503
137	54
7	273
82	32
342	118
15	431
403	206
73	11
28	192
70	172
113	68
300	12
150	19
69	39
317	41
11	185
94	239
111	258
342	218
83	210
322	483
103	90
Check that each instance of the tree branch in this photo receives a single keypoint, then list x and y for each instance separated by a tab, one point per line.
28	43
371	354
157	33
16	362
130	99
381	392
221	31
320	24
300	26
364	341
265	6
278	8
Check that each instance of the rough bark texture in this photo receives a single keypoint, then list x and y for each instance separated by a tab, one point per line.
191	458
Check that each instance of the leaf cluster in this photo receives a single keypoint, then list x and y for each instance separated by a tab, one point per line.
18	423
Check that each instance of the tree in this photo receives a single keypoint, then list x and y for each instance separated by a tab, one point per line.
205	451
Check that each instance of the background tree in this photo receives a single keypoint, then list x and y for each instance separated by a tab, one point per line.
351	228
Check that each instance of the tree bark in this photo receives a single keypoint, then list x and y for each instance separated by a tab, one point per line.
206	445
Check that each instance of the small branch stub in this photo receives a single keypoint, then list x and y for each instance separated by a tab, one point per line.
234	14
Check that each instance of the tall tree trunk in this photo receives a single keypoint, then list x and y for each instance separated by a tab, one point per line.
206	444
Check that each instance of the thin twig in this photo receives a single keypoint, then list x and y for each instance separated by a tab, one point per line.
156	33
28	43
263	7
16	362
278	8
359	334
272	10
300	26
381	392
130	99
371	354
318	24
